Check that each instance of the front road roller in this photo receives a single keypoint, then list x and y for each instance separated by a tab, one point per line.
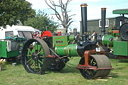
94	65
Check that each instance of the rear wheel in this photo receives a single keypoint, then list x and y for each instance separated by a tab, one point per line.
33	55
99	61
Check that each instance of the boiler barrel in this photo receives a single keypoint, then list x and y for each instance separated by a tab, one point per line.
69	50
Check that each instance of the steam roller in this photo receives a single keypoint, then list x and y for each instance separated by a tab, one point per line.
53	52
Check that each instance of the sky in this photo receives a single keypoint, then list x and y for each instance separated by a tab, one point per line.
93	9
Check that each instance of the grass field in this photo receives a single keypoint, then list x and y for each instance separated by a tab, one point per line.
16	75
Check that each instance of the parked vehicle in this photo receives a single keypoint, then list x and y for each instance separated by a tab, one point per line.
12	39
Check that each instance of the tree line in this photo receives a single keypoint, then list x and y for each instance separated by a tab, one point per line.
12	11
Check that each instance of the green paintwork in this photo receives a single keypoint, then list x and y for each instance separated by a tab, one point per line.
115	34
13	53
62	48
72	50
60	41
106	40
15	38
60	51
120	48
4	53
38	50
69	50
120	11
71	38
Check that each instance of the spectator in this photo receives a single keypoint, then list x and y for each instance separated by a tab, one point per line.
93	35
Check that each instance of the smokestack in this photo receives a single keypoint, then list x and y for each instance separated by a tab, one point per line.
103	20
84	20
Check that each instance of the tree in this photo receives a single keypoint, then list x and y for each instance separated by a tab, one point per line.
64	16
13	10
41	22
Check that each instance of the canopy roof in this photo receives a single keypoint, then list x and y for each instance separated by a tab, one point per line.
120	11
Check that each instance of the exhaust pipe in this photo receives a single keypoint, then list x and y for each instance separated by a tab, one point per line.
84	21
84	45
103	20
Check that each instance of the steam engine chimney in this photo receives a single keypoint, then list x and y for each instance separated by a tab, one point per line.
84	21
103	20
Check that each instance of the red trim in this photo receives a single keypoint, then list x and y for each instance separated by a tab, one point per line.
115	31
86	55
86	65
50	56
59	33
91	67
46	33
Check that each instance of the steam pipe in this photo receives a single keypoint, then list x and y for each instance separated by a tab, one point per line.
103	20
84	21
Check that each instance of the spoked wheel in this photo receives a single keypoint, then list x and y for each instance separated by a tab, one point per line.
99	61
33	55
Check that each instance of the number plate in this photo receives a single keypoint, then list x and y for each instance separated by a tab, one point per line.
97	49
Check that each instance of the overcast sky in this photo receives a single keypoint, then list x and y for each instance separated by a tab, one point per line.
93	9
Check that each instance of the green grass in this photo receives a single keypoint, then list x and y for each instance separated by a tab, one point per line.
16	75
